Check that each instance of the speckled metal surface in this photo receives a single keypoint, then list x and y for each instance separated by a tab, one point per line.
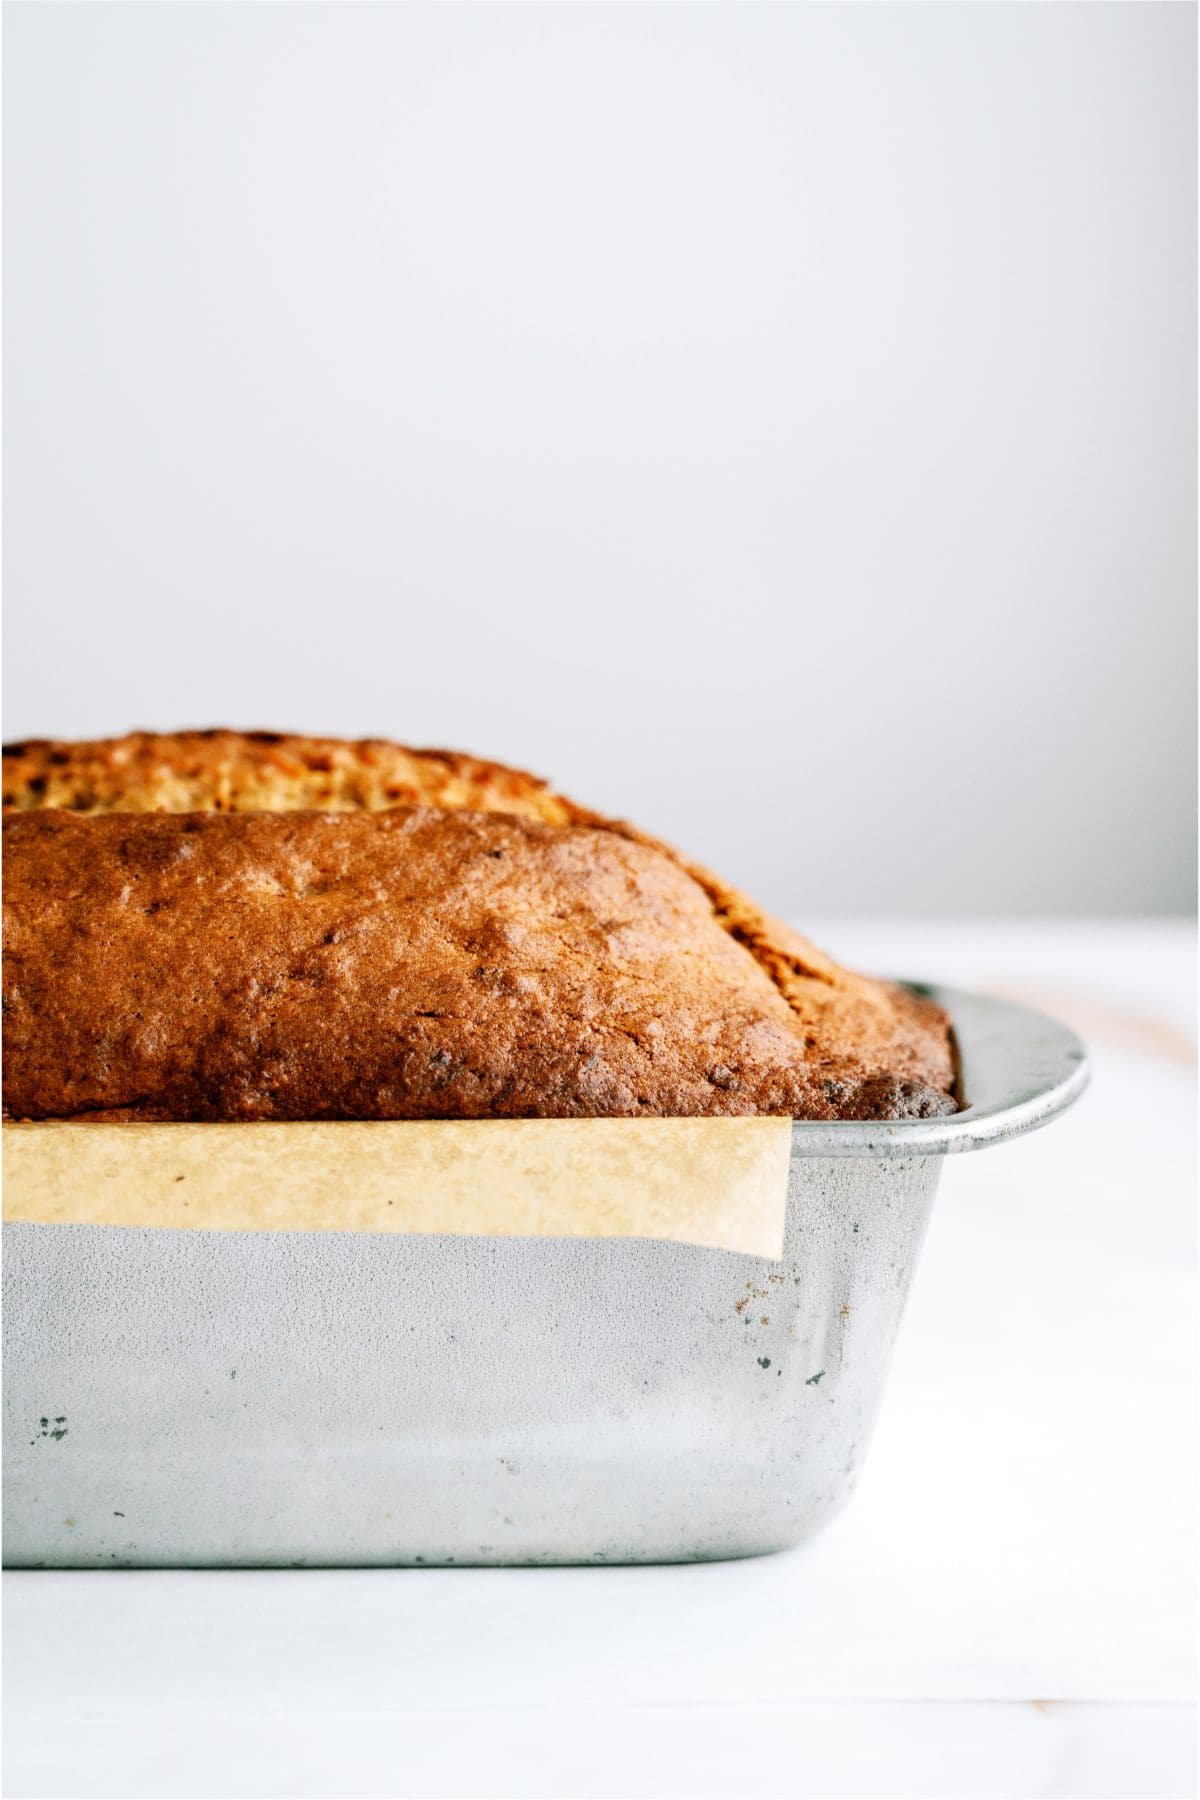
191	1398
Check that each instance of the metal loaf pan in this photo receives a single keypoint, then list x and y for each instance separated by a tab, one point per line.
229	1399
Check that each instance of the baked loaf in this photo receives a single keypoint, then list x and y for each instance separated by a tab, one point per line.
215	925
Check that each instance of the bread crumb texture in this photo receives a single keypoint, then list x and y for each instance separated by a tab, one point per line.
225	925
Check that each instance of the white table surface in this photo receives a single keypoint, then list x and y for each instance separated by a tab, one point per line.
1006	1608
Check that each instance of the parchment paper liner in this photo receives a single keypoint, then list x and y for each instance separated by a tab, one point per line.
720	1183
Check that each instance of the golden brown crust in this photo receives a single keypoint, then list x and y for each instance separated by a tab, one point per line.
514	957
263	771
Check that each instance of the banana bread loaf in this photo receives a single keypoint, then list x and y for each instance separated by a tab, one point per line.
218	925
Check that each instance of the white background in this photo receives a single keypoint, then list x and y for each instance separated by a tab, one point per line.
773	422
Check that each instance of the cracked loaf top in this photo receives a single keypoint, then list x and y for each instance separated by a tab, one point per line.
217	925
